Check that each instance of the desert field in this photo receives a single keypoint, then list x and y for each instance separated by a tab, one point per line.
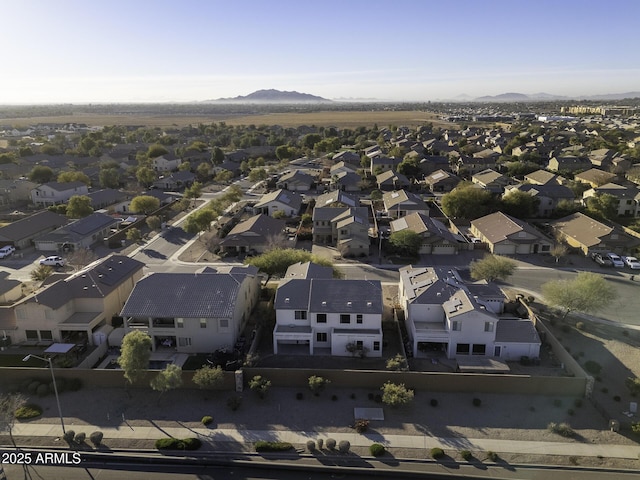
338	119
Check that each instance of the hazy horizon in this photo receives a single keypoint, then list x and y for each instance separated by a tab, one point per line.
407	50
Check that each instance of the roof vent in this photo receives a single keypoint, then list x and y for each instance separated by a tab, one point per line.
349	304
324	303
369	304
286	300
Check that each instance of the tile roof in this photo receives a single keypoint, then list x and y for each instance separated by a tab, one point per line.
497	227
292	199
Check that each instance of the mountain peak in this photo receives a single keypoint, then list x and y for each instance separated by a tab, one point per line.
274	96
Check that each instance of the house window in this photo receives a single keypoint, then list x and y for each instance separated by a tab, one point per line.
46	335
488	326
31	334
359	345
180	322
376	346
321	318
300	315
345	318
479	349
455	326
184	341
321	337
223	324
203	323
359	318
462	349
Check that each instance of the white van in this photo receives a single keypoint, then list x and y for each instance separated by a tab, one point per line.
6	251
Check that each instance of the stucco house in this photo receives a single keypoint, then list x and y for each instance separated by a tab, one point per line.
346	228
166	163
21	233
54	193
400	203
391	180
547	195
193	312
490	180
79	234
436	237
627	197
279	201
254	235
320	315
445	315
507	235
441	181
296	180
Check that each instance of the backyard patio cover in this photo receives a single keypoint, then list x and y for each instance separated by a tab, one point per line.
60	348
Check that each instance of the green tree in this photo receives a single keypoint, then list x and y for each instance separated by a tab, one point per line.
275	262
217	156
467	201
74	177
156	150
492	267
203	171
200	221
41	174
396	394
134	235
406	242
41	273
519	204
558	251
310	140
135	354
603	206
168	379
588	292
223	176
194	191
144	204
208	377
9	404
284	152
376	195
257	174
260	385
317	384
145	176
154	222
109	178
79	206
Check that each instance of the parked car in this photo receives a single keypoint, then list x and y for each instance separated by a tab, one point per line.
6	251
632	262
615	260
602	260
53	261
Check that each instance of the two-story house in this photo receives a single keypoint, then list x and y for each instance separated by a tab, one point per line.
193	312
166	163
54	193
627	198
436	237
346	228
326	316
400	203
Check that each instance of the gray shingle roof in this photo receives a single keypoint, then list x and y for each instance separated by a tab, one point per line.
344	296
29	226
516	331
184	295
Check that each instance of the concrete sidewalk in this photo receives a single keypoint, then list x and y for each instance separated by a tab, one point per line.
422	442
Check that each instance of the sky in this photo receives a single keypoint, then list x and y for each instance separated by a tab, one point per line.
71	51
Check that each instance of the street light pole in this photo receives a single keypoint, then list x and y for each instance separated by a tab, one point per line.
55	387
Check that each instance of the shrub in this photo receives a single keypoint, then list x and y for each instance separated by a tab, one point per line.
311	445
437	453
69	436
30	410
633	384
592	367
80	437
96	438
320	443
580	325
177	444
191	443
344	446
32	388
466	455
234	402
563	429
396	394
493	456
317	384
635	427
377	450
42	390
476	402
361	425
330	443
434	402
167	443
263	446
207	420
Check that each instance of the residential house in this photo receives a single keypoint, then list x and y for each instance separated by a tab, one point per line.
342	167
325	316
193	312
307	270
348	157
490	180
176	181
588	235
281	200
10	289
542	177
602	157
547	195
254	235
400	203
15	191
436	237
346	228
446	315
21	233
441	181
594	177
106	197
166	163
373	151
337	198
434	163
296	180
506	235
568	163
79	234
627	197
382	164
346	181
72	309
470	165
391	180
54	193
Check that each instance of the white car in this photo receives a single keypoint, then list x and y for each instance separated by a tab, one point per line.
6	251
616	260
632	262
53	261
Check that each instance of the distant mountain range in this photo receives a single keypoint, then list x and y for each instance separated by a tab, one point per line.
543	97
272	96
